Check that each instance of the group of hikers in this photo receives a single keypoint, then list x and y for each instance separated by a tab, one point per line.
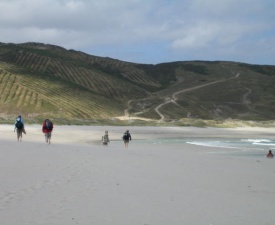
126	138
47	128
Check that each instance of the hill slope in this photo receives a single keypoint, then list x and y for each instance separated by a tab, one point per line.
39	80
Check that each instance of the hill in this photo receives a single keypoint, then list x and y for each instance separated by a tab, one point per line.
41	80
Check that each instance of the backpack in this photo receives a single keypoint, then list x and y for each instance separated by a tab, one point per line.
19	124
126	136
49	125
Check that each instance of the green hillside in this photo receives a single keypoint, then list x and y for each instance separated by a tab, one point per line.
40	80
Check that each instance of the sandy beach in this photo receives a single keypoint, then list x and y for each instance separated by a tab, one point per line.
77	180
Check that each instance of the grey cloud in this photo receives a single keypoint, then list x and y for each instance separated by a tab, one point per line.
189	26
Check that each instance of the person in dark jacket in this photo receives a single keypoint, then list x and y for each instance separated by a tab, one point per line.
19	126
126	138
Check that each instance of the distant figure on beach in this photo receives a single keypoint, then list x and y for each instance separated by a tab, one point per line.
47	128
19	126
269	154
105	138
126	138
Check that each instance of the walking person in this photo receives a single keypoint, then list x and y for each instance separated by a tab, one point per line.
47	128
126	138
105	138
19	126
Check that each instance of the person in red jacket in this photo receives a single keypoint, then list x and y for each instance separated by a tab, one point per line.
47	129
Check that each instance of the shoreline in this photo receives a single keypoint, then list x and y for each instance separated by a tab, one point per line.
79	133
77	180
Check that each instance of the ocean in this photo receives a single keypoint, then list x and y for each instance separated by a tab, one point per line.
228	146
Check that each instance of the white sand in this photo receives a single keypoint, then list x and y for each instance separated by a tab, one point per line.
76	180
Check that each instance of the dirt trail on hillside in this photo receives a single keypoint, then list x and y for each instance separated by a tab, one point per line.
127	115
245	97
126	111
174	98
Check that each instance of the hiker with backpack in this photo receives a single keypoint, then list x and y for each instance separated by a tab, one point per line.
47	128
19	126
105	138
126	138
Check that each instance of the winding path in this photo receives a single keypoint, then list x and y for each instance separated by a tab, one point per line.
126	111
174	98
245	99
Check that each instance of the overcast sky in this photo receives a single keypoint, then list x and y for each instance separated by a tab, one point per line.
147	31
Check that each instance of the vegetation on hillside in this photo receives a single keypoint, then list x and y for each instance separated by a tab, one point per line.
40	80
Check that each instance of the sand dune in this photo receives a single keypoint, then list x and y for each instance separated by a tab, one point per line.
76	180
